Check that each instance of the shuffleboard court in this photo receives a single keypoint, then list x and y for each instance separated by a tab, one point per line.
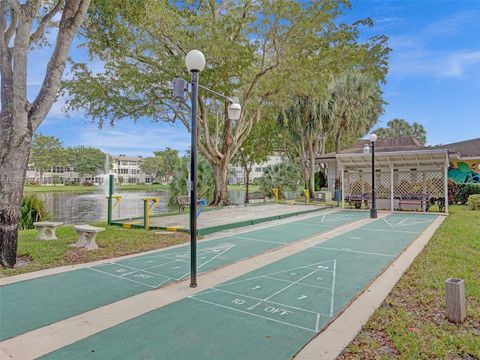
32	304
269	313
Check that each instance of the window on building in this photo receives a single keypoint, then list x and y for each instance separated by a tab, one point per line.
258	169
123	171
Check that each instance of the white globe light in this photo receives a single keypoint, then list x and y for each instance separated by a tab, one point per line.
373	137
195	61
234	110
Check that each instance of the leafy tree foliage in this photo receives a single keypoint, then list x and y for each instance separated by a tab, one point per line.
262	142
46	152
260	51
178	185
401	127
86	160
283	176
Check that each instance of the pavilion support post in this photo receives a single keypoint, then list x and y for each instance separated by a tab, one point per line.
392	200
343	187
445	185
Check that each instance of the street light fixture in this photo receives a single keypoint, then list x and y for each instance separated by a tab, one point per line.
373	209
195	63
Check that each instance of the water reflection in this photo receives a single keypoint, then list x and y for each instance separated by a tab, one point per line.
74	208
80	208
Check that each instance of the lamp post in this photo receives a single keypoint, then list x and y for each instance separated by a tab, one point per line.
195	63
373	209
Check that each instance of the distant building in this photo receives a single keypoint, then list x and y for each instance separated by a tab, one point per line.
127	170
237	174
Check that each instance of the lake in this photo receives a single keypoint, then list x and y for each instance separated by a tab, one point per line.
76	208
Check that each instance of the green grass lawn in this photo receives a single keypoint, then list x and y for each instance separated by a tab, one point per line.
81	188
115	241
411	322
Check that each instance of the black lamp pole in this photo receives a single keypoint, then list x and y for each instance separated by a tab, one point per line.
193	184
373	210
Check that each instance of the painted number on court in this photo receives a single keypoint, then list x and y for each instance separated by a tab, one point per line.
142	276
238	301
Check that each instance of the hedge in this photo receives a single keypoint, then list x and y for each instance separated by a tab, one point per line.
463	191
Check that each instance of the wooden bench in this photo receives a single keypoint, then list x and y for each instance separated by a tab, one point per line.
257	195
86	236
46	229
418	200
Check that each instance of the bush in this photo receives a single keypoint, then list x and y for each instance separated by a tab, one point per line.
464	191
284	176
452	189
33	210
178	185
474	202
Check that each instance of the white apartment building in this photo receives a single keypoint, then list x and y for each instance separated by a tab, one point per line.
237	173
126	170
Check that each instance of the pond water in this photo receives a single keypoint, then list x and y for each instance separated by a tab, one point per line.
76	208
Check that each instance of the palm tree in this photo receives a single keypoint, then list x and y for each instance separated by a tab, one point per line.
417	130
401	127
303	121
355	105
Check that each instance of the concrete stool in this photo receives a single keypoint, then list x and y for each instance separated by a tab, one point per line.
46	230
86	236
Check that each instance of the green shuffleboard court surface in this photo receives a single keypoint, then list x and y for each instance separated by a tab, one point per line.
32	304
269	313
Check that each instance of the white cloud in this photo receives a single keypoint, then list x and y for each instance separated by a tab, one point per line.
135	141
412	54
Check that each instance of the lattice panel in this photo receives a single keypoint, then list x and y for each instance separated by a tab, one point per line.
429	182
357	183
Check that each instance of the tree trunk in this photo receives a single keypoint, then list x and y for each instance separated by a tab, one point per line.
13	162
247	183
311	154
220	194
337	142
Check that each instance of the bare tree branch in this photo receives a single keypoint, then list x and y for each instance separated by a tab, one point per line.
72	17
45	20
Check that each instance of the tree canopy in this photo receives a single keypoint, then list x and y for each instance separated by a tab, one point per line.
401	127
259	51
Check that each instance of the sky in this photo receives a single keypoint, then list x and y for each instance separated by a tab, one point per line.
434	79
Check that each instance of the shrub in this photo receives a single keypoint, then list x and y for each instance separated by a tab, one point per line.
33	209
452	189
474	202
178	185
464	191
284	176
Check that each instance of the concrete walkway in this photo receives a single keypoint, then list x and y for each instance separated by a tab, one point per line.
230	214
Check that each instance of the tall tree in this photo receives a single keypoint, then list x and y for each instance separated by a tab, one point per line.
168	161
303	121
355	102
87	160
257	147
22	28
401	127
151	166
46	152
257	50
